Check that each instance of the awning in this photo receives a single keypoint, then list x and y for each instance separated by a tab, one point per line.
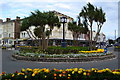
23	39
8	38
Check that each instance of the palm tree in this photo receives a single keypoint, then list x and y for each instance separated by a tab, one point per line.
25	27
76	31
52	21
87	13
99	19
90	14
40	20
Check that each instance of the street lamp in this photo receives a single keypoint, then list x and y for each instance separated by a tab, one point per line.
63	20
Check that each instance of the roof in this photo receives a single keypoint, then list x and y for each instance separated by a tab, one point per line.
56	12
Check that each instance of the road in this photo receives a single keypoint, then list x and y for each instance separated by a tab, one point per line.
9	65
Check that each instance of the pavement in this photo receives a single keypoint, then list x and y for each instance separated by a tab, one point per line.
11	65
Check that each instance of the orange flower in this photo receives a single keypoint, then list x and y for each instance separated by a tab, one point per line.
68	77
63	75
56	70
88	74
55	78
55	74
3	72
64	72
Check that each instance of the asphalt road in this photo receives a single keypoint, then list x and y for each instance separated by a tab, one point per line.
9	65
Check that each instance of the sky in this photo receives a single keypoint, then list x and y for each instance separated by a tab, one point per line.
22	8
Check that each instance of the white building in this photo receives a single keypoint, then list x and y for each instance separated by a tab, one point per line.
10	32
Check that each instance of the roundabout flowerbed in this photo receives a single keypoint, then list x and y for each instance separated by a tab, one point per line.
67	74
82	56
59	54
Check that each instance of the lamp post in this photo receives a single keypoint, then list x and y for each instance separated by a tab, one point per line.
63	20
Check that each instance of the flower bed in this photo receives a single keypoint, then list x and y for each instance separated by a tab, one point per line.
83	57
93	51
68	74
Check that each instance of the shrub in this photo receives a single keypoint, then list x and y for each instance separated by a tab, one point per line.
61	50
53	50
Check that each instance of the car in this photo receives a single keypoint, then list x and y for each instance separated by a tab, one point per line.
6	46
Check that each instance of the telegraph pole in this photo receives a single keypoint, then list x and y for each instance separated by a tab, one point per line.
115	34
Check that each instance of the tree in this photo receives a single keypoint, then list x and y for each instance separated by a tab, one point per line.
52	21
40	20
76	31
25	27
87	13
92	14
99	19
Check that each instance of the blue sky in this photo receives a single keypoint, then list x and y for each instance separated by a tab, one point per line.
11	9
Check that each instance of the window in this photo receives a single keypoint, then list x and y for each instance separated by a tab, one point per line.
9	35
24	34
10	41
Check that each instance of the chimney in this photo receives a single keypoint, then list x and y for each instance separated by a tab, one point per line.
17	18
1	20
8	19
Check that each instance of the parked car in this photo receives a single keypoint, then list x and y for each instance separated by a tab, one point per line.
117	46
6	46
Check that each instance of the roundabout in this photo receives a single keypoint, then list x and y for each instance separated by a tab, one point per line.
80	57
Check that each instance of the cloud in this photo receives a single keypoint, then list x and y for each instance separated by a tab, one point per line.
69	7
60	1
61	5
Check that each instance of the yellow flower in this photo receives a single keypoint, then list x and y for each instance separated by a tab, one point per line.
20	74
13	75
81	69
60	75
35	70
23	70
47	71
94	69
84	73
33	74
75	69
88	70
100	71
69	75
107	69
25	76
28	69
79	72
116	73
45	76
68	70
61	70
73	72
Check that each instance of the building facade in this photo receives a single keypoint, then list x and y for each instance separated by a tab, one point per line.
10	32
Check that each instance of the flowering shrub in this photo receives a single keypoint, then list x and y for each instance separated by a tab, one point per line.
93	51
68	74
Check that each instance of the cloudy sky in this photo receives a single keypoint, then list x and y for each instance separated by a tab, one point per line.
22	8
